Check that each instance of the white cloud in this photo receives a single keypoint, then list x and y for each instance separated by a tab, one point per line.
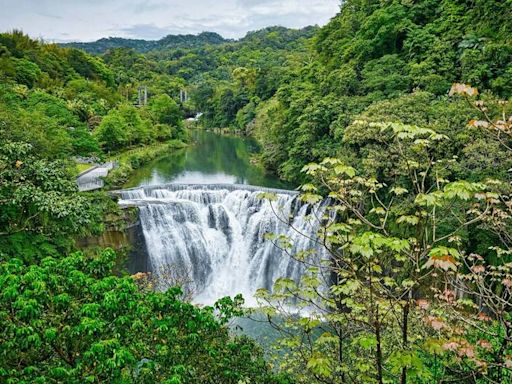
86	20
145	31
149	6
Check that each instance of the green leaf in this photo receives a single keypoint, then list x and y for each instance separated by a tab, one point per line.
462	189
379	211
344	170
320	365
311	198
284	284
366	342
429	200
412	220
308	188
399	191
267	196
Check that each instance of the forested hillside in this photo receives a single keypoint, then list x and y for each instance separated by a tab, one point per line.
75	317
392	53
171	41
396	119
67	94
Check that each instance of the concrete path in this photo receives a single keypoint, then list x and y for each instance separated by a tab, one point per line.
92	178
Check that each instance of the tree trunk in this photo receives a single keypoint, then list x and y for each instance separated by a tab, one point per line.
378	355
405	341
340	351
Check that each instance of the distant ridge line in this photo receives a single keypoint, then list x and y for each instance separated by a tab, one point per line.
181	41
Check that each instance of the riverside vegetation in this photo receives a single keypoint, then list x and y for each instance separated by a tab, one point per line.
64	316
373	111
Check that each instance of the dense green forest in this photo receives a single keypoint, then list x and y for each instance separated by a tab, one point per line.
398	111
65	317
172	41
373	57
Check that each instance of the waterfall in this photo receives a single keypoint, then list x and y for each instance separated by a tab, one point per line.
215	234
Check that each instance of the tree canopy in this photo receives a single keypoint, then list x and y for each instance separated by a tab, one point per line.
395	118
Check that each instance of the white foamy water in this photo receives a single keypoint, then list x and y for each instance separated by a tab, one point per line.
216	235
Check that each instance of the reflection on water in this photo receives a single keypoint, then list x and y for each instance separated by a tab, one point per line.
211	159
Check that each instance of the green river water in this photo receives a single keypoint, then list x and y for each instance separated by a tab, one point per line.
210	159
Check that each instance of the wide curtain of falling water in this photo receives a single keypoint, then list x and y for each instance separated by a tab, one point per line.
213	237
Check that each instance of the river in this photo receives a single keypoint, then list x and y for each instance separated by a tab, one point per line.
212	159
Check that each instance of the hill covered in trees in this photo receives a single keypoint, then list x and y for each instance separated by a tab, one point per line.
371	52
281	35
398	111
171	41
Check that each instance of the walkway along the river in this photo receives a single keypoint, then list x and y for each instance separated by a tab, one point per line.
92	178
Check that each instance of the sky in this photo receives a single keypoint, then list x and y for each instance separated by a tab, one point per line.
89	20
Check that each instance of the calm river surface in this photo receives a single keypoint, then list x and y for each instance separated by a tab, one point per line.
210	159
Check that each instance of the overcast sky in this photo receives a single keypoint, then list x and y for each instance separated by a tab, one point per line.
88	20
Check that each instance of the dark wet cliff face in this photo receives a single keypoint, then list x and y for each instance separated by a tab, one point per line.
138	257
126	238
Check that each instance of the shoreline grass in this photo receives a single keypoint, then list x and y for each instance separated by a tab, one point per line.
134	158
